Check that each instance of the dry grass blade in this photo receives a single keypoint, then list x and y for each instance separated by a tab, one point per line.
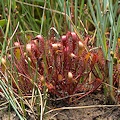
81	107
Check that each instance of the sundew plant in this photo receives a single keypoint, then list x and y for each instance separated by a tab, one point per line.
58	50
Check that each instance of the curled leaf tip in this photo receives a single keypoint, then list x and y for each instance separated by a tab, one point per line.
39	37
81	45
17	44
70	75
28	47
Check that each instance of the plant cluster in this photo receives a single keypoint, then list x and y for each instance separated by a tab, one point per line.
68	67
64	66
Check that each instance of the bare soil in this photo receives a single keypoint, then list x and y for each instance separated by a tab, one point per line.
95	113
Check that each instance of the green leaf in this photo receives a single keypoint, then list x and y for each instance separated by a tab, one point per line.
2	22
